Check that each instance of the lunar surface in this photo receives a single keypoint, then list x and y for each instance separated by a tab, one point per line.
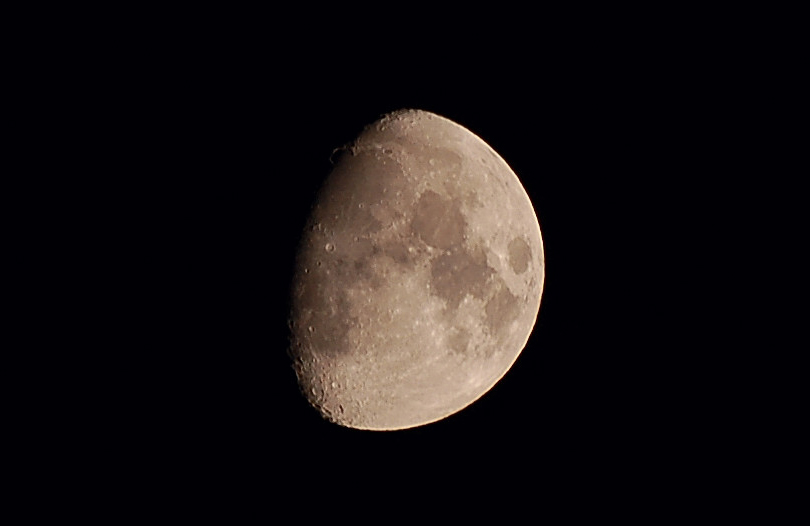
419	276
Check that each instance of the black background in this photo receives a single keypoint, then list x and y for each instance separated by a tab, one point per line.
169	159
595	155
223	150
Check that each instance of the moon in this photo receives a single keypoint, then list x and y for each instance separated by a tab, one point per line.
418	277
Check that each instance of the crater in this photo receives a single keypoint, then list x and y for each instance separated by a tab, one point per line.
519	255
438	221
457	274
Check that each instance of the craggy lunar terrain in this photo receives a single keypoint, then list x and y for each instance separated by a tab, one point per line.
418	278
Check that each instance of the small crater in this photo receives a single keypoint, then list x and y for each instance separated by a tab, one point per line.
329	247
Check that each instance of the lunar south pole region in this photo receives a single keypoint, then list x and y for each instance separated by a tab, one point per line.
418	276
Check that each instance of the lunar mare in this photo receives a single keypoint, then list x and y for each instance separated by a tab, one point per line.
419	276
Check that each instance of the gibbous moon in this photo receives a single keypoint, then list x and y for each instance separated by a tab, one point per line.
418	277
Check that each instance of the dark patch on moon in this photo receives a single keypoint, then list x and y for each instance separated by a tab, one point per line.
361	248
457	274
459	340
471	200
438	221
398	251
501	310
519	255
360	254
363	269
